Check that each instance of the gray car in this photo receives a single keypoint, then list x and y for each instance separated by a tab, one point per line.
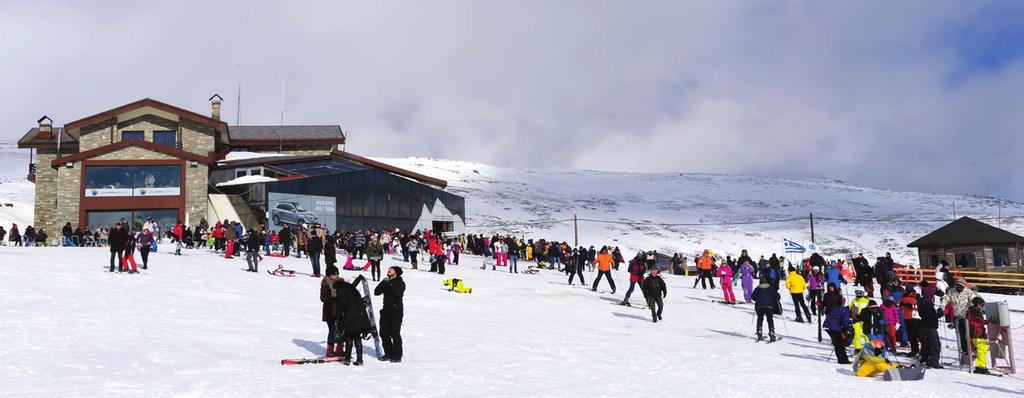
292	214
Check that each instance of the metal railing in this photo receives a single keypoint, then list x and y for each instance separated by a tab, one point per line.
989	279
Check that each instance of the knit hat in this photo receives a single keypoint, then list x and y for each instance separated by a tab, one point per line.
872	303
978	300
331	270
398	270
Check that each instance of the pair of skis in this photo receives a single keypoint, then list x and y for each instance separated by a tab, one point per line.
373	332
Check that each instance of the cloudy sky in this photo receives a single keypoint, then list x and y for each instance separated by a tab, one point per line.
911	95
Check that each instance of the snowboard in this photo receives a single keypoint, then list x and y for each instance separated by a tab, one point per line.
373	317
902	374
304	361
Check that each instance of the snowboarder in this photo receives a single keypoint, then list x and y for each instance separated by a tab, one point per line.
747	279
328	296
655	291
604	267
766	299
393	290
636	269
725	275
351	310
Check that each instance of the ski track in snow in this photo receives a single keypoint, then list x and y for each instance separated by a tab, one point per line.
196	325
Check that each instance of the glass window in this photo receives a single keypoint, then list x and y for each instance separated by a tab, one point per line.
100	219
965	259
132	181
1001	256
241	172
133	136
164	220
167	138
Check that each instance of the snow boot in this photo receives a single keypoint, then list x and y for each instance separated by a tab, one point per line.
330	351
981	370
760	336
359	354
771	337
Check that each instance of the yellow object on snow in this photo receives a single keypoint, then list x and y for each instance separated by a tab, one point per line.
871	365
456	285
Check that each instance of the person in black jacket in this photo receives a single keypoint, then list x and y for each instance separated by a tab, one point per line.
832	298
116	242
253	243
351	311
766	299
329	297
579	263
393	289
315	245
928	333
654	290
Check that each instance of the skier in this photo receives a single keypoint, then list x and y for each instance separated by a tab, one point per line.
911	324
858	304
725	275
578	266
747	279
928	333
604	266
832	298
816	284
375	253
960	298
636	269
655	291
329	296
393	289
766	299
704	265
351	309
838	326
979	338
796	285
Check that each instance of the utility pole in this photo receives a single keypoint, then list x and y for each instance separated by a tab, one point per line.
1000	216
812	228
576	230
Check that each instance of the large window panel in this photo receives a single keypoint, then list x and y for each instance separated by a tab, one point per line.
1001	256
965	259
106	181
166	138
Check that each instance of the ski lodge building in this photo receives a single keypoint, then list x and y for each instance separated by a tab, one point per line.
151	159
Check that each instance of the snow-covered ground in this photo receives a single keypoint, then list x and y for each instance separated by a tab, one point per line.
502	199
196	325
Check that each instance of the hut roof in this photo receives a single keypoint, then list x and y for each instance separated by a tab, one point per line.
966	231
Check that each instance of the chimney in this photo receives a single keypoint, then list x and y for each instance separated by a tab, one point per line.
215	101
45	128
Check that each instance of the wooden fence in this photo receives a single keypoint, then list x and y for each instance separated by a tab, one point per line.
997	280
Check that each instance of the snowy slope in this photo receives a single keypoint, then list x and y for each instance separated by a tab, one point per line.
15	190
197	326
500	200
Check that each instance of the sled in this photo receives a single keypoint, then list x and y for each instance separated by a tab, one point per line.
904	374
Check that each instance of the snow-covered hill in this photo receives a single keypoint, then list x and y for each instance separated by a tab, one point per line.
198	326
540	203
17	194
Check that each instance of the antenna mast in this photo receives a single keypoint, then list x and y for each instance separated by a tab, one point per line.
238	106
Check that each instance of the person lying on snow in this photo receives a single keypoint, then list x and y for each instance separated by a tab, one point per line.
456	285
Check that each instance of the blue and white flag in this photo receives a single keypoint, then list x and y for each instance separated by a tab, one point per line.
792	247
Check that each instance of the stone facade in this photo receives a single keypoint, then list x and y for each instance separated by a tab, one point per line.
46	191
95	135
197	138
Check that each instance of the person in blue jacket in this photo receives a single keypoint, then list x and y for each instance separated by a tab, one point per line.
834	275
838	326
766	300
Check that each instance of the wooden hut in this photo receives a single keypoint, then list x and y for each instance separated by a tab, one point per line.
971	245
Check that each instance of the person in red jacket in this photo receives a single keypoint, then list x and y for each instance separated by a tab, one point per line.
636	270
218	234
437	253
178	232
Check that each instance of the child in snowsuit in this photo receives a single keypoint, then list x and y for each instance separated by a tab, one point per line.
456	285
976	325
891	316
725	278
747	280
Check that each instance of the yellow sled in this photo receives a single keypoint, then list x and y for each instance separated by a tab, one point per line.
455	285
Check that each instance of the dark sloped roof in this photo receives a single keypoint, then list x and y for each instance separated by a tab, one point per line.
178	153
328	134
30	140
183	113
966	231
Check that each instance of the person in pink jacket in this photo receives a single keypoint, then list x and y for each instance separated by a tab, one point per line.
725	276
891	316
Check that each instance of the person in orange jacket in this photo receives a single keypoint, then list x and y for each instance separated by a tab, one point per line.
704	264
604	267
